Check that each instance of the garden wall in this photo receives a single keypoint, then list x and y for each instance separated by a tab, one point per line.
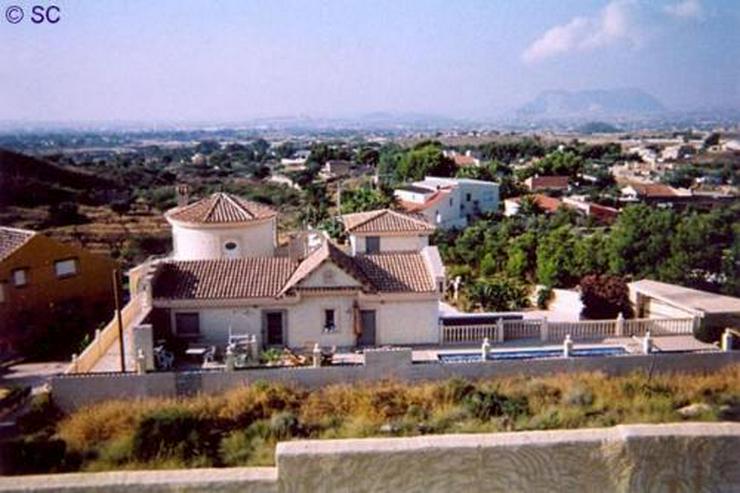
73	391
673	457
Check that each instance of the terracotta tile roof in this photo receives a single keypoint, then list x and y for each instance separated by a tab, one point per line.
654	190
462	160
433	199
221	208
328	251
547	204
398	272
223	278
543	182
385	221
11	239
266	277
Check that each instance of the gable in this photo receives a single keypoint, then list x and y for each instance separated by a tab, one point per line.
329	275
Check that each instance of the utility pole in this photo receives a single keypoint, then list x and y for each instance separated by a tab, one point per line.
117	301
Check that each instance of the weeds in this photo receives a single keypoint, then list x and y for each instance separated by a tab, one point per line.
242	427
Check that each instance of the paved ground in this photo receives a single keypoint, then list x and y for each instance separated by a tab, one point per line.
33	374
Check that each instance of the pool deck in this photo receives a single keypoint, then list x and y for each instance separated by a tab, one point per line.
632	345
110	361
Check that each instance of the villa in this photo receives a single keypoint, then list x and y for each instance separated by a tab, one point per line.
449	202
225	279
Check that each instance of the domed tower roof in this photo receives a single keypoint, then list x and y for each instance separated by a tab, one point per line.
221	209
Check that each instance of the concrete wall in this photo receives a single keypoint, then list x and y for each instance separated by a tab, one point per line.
195	243
674	457
72	391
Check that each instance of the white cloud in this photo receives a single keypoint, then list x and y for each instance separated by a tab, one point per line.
687	9
615	23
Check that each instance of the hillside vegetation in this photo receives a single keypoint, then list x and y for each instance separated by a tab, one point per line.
242	427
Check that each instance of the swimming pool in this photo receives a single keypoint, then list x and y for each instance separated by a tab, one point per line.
530	354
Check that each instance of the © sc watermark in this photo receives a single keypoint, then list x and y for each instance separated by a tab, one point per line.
37	14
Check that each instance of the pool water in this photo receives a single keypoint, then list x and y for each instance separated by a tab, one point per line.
530	354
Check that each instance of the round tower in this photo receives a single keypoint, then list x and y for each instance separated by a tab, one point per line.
222	226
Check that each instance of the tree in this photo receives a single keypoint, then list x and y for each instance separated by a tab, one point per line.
365	199
522	257
368	156
560	163
422	161
640	241
497	293
590	254
604	296
555	266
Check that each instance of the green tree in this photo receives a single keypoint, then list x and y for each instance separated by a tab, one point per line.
365	199
422	161
497	293
555	265
522	257
640	241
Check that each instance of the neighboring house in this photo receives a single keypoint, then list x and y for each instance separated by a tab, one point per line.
449	202
222	226
547	183
44	281
207	293
653	299
463	160
337	168
330	298
601	213
386	231
546	204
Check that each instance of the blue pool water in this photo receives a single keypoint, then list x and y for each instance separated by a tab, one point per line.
530	354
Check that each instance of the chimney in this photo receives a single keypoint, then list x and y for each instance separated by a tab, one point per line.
182	192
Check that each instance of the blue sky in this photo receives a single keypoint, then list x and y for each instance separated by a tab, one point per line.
236	60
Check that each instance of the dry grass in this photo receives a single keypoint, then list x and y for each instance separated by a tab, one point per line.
241	427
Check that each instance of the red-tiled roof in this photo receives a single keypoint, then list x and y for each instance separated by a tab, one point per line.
221	208
11	239
544	182
398	272
462	160
654	190
223	278
433	199
385	221
547	204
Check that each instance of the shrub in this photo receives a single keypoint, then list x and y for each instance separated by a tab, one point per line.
42	414
604	297
170	432
485	405
544	296
578	395
283	425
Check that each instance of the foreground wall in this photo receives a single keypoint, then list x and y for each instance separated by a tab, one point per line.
73	391
690	457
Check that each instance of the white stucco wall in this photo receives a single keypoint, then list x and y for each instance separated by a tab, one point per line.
193	243
397	322
395	243
329	276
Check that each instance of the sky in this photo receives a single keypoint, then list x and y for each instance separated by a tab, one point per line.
229	61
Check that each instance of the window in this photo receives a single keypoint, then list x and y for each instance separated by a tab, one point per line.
65	268
2	292
329	323
372	244
20	277
187	324
451	202
230	245
231	249
467	197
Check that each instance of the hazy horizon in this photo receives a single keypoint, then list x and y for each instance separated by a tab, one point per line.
232	61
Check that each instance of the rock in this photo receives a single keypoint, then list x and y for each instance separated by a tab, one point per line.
694	410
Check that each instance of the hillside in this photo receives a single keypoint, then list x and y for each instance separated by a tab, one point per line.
29	181
590	104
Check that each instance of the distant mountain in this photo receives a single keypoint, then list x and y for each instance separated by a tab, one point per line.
29	181
591	104
598	128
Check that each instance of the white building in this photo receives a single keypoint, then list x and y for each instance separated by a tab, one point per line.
449	202
206	294
386	231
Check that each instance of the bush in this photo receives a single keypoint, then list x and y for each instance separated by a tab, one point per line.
605	297
32	455
283	425
544	296
486	405
42	414
170	433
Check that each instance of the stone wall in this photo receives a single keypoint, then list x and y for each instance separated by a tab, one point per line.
690	457
72	391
